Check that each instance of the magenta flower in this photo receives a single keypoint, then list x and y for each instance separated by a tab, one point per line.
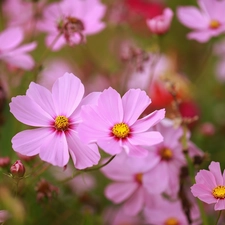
129	188
207	22
160	24
13	54
57	115
210	186
114	125
73	19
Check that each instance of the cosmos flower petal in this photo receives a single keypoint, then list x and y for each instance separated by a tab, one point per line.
83	155
201	35
118	192
130	100
214	168
146	138
220	204
42	96
135	203
29	112
207	178
55	149
10	38
147	122
67	93
110	145
135	151
28	142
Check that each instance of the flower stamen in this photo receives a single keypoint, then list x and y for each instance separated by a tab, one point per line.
166	154
214	24
219	192
121	130
138	178
61	123
172	221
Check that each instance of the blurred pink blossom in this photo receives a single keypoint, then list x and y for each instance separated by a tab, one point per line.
207	22
114	125
160	24
73	20
210	186
4	215
130	186
56	114
13	54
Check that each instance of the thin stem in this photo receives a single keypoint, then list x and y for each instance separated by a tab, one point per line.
87	170
218	217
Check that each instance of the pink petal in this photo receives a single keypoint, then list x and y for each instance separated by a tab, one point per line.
192	18
200	36
207	178
42	96
67	93
24	48
10	38
147	122
110	106
135	203
83	155
55	149
119	192
146	138
134	102
203	193
28	142
135	151
214	168
29	112
59	42
220	205
110	145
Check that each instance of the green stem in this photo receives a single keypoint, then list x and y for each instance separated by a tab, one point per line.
218	217
88	170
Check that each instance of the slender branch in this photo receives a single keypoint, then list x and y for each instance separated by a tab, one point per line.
218	217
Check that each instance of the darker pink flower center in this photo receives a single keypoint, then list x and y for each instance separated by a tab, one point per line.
171	221
219	192
166	154
120	130
61	123
214	24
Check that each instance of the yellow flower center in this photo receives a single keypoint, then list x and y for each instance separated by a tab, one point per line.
166	154
172	221
121	130
214	24
138	177
61	123
219	192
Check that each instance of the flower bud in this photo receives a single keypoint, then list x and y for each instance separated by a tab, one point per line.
160	24
17	169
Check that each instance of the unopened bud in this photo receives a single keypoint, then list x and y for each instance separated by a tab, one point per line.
17	169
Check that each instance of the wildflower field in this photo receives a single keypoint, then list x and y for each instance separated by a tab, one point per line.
112	112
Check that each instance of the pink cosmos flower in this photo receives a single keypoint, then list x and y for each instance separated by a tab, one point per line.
130	186
73	19
57	115
160	24
166	212
210	186
207	22
114	125
13	54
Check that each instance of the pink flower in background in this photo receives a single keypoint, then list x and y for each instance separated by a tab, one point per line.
207	22
57	115
73	19
160	24
13	54
52	71
165	212
210	186
114	125
4	215
129	187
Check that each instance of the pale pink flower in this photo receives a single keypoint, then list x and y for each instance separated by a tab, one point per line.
210	186
114	125
129	186
166	212
57	115
160	24
4	215
73	20
207	22
13	54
